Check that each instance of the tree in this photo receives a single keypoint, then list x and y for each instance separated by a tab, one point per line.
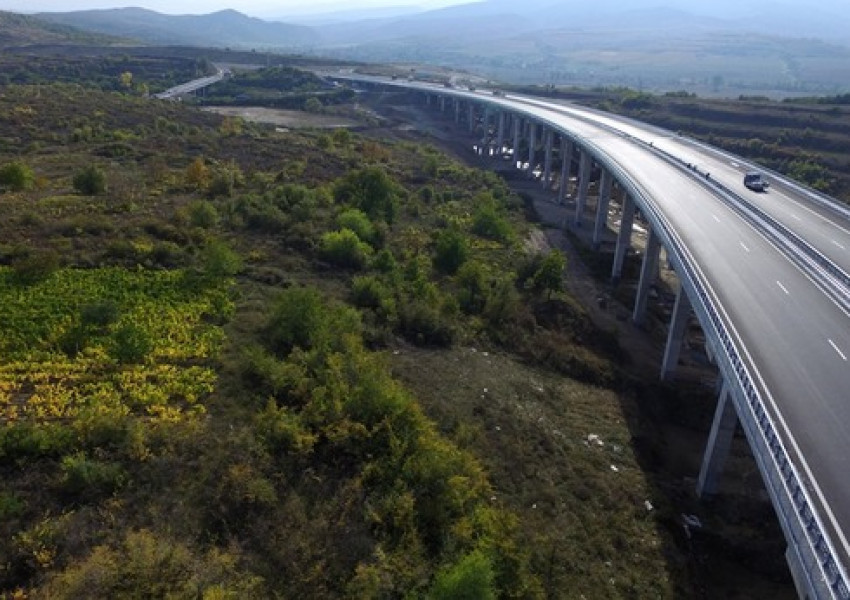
471	578
549	275
197	173
126	80
313	105
371	190
91	181
16	176
345	249
451	252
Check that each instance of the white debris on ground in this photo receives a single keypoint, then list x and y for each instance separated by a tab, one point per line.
593	440
615	468
648	505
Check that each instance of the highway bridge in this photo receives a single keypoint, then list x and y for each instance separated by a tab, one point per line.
766	274
189	87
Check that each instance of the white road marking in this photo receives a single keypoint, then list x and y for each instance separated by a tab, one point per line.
783	288
795	216
716	218
839	245
837	349
734	164
744	246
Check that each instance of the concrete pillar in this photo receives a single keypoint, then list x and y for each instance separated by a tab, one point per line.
517	128
427	99
457	110
624	238
678	324
719	443
648	274
566	168
547	165
500	135
532	146
471	117
442	104
584	171
485	133
602	207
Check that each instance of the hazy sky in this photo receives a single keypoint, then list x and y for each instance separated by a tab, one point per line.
258	8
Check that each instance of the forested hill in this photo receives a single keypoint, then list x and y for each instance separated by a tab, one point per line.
222	28
21	30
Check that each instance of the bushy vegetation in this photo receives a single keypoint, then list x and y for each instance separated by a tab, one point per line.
197	390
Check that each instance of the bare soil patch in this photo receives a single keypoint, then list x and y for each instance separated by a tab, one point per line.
293	119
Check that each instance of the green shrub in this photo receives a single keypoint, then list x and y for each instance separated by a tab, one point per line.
471	578
99	314
422	323
16	176
91	181
20	441
11	506
130	344
370	292
371	190
302	317
35	267
488	222
345	249
219	261
549	276
451	251
144	565
358	222
473	287
89	478
202	214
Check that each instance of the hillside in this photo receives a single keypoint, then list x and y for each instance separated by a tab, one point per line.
725	50
219	29
23	30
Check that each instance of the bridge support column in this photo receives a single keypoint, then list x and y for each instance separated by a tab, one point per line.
624	237
471	117
566	168
457	110
602	207
532	146
678	324
442	104
648	273
719	443
547	165
584	171
500	135
485	133
517	128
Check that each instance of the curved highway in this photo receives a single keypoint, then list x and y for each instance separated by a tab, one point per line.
794	338
821	222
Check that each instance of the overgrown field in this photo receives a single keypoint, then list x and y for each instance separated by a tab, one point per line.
210	332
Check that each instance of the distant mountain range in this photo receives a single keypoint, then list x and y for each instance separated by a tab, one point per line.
218	29
751	46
